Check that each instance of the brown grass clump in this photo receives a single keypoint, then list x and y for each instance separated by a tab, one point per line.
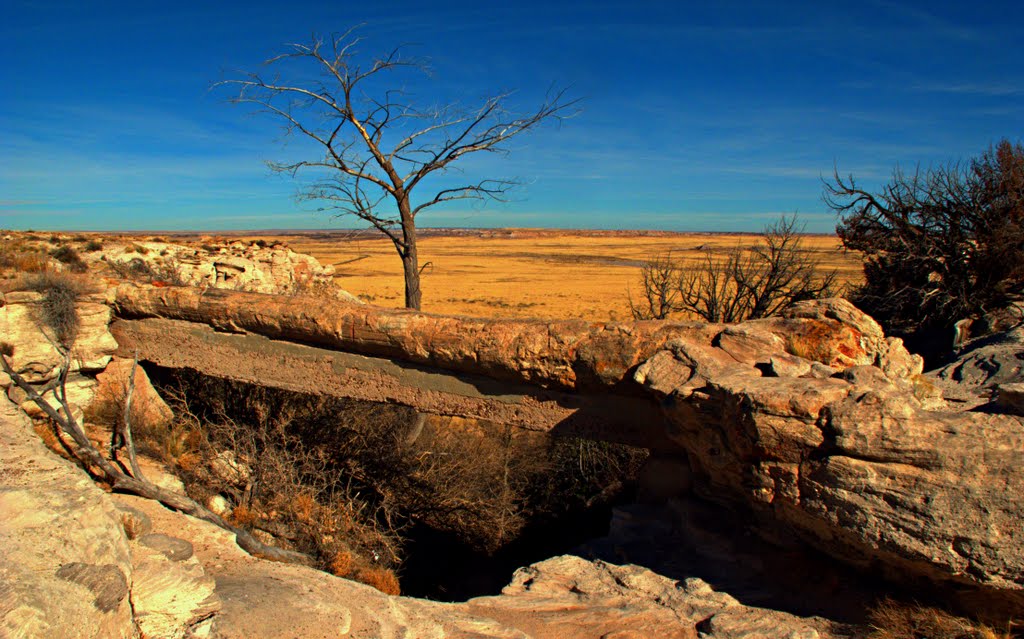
341	564
304	507
20	256
380	578
243	515
892	620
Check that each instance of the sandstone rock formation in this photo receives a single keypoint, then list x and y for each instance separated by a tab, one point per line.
65	565
854	464
74	565
240	266
38	361
568	596
816	426
35	357
148	409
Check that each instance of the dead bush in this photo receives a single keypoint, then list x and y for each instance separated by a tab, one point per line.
341	479
892	620
743	284
57	309
166	271
246	449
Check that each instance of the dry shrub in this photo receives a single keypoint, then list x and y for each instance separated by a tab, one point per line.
380	578
166	271
92	246
19	255
57	309
341	563
244	447
340	479
243	515
893	620
67	254
744	283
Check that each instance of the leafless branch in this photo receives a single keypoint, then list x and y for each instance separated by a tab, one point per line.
351	119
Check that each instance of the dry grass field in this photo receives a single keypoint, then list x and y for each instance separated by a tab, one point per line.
527	273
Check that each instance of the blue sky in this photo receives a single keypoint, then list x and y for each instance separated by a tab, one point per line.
696	116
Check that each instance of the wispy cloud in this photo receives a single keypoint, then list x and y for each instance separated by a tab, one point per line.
998	89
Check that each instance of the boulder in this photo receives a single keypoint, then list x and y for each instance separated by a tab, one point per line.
569	597
172	595
148	409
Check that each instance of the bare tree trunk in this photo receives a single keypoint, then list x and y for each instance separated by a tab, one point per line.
410	258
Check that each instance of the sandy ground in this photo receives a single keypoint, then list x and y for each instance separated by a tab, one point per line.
545	274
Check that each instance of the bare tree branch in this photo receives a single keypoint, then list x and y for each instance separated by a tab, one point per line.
345	112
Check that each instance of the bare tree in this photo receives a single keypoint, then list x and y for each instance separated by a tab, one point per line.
744	284
379	146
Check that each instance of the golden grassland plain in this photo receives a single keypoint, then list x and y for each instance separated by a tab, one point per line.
528	273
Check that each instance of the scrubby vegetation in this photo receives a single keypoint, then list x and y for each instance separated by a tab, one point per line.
66	254
743	284
20	255
342	480
57	309
161	271
940	244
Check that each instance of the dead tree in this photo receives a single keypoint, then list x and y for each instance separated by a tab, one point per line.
743	284
378	146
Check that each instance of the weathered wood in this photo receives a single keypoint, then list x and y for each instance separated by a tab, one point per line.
571	355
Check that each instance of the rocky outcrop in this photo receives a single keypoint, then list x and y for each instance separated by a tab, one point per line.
76	562
38	361
256	267
855	463
567	597
815	423
65	564
564	598
148	409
